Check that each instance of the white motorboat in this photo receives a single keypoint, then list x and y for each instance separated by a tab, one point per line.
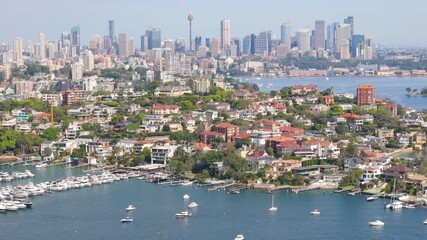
193	205
273	208
409	206
187	183
371	198
2	208
315	212
28	173
376	223
425	222
126	220
239	237
41	165
186	196
130	208
183	214
11	207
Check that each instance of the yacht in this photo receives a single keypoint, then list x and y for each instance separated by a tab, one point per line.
28	173
315	212
41	165
425	222
409	206
126	220
10	206
394	203
183	214
239	237
376	223
273	208
130	208
193	205
186	196
371	198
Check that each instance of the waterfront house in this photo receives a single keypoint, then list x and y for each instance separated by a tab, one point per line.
333	178
351	164
162	153
280	167
314	170
396	171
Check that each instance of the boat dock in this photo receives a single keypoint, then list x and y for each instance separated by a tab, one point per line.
221	187
303	189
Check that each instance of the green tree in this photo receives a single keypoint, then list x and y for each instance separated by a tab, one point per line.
51	133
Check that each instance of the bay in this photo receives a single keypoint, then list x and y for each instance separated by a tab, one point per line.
393	88
95	213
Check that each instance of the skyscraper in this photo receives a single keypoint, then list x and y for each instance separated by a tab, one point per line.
319	35
123	45
42	42
190	19
75	39
197	43
144	43
246	45
131	46
208	42
88	60
253	40
331	34
17	51
342	37
303	39
112	30
154	38
225	33
356	44
350	20
263	43
215	47
236	41
285	33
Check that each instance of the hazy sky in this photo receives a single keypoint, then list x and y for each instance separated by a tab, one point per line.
389	22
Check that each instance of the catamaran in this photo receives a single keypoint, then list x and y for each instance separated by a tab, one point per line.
394	202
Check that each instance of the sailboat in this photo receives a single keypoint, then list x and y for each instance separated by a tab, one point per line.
273	208
394	203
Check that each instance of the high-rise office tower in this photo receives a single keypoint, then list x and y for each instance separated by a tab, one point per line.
51	49
356	45
246	45
331	36
263	43
42	42
144	43
17	51
154	38
112	30
342	37
285	33
64	36
190	19
225	33
253	40
215	47
303	39
131	46
108	43
75	39
123	45
236	42
319	35
197	42
350	20
208	42
30	47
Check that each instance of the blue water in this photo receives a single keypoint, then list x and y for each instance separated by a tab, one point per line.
390	87
95	213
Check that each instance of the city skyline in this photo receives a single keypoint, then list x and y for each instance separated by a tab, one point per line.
366	20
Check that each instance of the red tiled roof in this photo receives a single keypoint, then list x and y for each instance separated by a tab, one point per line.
212	134
316	142
365	86
245	135
350	115
259	153
165	106
288	144
290	129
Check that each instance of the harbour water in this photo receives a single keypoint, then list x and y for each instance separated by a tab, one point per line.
393	88
95	213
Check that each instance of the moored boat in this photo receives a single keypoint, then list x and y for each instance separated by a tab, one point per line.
186	196
183	214
130	208
193	205
126	220
239	237
315	212
376	223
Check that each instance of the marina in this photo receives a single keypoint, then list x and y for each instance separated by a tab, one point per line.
154	218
